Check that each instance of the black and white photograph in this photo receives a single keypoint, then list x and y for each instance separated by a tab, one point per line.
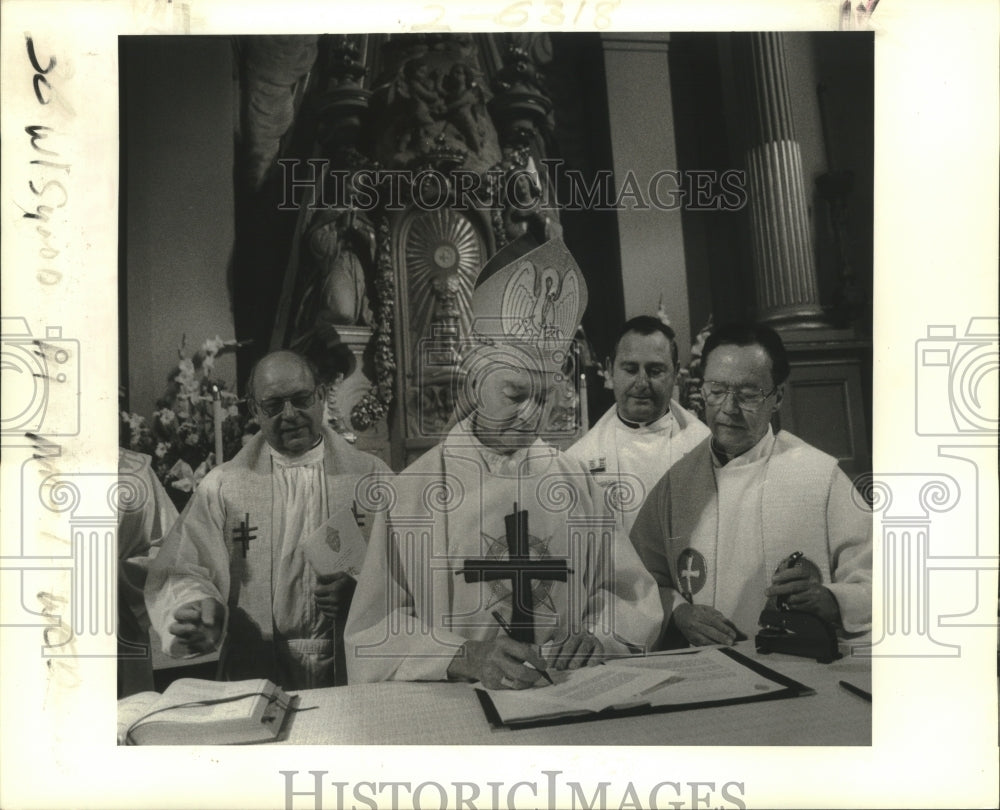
547	399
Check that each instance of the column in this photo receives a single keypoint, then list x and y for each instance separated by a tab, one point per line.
784	268
640	106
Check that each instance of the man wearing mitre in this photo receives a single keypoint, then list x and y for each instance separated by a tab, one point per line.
493	556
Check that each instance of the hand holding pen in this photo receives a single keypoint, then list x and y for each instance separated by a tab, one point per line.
510	634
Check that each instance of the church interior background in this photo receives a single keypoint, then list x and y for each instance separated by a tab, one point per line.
578	135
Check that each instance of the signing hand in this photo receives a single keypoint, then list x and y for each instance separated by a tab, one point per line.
701	625
580	649
334	593
198	625
499	664
803	591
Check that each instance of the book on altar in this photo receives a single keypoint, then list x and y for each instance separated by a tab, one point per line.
575	692
337	545
677	680
192	711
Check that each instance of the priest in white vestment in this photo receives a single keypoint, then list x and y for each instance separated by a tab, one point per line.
718	526
494	558
233	573
145	515
645	432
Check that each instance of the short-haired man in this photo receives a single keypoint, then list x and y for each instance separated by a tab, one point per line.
233	570
646	431
715	530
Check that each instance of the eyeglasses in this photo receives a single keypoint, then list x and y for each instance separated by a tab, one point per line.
747	397
300	401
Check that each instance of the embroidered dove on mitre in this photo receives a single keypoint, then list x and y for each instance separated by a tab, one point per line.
530	296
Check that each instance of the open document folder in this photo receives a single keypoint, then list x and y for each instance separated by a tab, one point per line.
687	679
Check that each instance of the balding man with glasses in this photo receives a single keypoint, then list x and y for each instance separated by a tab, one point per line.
751	515
234	574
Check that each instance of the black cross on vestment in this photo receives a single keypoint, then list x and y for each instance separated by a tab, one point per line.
244	533
520	569
359	517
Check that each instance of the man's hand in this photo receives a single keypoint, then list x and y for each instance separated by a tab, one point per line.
580	649
701	625
334	593
803	591
198	625
499	664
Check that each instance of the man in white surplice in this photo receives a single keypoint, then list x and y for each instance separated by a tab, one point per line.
232	571
495	526
717	528
645	432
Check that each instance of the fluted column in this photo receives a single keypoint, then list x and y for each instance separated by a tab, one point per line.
784	269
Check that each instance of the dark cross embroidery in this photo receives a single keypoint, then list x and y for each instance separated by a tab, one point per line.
359	517
520	569
244	533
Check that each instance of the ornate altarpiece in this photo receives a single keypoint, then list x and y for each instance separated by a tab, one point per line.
423	160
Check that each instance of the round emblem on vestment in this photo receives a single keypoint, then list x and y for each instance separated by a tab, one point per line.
691	571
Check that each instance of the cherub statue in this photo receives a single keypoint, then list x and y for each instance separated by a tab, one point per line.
417	84
465	104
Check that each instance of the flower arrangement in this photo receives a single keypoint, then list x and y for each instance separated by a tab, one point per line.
689	378
180	436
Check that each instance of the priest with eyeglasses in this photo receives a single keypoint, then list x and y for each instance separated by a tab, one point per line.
751	515
233	573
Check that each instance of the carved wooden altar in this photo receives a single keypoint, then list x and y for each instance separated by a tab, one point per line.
425	163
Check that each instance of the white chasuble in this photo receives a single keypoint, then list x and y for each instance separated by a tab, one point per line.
715	534
635	458
423	592
239	541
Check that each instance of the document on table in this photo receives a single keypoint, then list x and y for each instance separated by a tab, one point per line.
704	675
578	691
688	679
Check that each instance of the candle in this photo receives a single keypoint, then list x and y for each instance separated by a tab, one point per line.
217	411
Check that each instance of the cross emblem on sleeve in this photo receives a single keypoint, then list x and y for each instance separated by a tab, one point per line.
359	517
520	569
691	570
244	533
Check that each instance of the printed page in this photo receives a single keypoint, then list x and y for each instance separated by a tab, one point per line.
590	689
703	675
195	691
131	708
337	545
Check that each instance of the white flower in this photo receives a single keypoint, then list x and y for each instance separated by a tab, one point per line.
161	450
167	416
212	346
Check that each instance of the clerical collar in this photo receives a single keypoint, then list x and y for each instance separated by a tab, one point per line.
755	453
310	456
660	421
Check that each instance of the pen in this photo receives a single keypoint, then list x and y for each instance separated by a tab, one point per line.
857	690
510	634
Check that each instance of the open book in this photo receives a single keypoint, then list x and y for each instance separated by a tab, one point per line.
192	711
660	682
578	692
